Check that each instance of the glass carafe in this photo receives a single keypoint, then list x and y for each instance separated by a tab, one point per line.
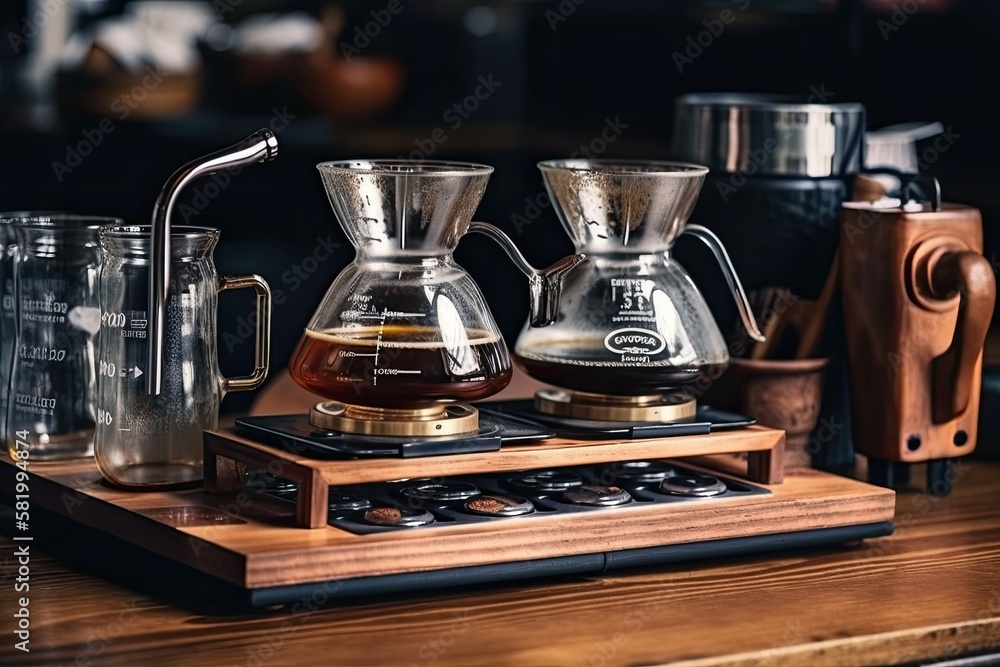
8	319
622	317
51	412
403	326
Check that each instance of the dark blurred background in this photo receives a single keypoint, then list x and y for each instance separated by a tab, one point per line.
100	100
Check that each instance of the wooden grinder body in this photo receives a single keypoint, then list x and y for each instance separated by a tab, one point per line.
918	297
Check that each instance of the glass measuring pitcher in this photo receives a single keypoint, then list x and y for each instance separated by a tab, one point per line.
403	326
145	440
8	319
50	412
622	317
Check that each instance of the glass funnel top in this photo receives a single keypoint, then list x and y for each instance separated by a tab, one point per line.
400	207
621	205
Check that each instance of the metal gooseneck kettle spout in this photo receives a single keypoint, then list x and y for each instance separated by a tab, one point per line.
261	146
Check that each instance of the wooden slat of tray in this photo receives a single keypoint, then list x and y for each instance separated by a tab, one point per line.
266	550
764	447
551	452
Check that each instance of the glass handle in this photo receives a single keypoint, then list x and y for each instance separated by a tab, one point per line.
742	303
262	336
507	244
545	286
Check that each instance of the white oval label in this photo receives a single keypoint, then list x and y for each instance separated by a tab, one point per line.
634	341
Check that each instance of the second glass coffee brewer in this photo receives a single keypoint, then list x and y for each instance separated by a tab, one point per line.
620	326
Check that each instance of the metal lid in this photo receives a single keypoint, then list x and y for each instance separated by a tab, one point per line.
642	471
432	491
773	135
693	485
341	502
547	480
599	496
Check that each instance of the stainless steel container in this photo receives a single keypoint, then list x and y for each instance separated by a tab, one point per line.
769	135
780	167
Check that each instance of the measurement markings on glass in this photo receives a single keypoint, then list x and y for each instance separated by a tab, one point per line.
378	344
104	417
390	313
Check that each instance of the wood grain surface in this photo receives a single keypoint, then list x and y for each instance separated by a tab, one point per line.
259	545
552	452
930	591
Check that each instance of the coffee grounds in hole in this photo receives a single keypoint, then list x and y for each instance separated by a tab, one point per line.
487	504
384	515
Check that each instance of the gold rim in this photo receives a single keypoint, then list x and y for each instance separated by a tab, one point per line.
444	420
669	407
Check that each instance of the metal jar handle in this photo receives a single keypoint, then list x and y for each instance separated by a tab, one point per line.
262	335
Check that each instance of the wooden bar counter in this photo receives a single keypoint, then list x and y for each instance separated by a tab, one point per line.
930	591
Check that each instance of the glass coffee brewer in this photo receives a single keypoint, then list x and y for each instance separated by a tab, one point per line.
620	326
403	339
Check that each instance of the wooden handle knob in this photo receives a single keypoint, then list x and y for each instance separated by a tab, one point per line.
969	274
866	188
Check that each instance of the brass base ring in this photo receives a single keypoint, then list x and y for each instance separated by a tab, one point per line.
444	420
669	407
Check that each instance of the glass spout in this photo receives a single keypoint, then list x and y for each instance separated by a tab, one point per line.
735	286
545	285
261	146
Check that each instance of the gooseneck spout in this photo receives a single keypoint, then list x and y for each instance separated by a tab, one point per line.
709	238
261	146
545	286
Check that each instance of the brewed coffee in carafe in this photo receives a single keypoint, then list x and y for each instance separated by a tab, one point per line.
403	328
398	366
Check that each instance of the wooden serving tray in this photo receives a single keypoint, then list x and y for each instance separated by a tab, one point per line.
228	454
251	540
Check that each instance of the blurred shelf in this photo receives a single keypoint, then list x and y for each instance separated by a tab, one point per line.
424	141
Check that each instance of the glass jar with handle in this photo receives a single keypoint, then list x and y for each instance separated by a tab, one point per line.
146	440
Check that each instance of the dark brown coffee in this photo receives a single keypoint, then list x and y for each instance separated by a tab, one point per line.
400	366
589	369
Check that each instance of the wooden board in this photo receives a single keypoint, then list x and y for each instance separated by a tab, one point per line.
249	539
764	448
921	595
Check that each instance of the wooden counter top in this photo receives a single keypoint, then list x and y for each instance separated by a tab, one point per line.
930	591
